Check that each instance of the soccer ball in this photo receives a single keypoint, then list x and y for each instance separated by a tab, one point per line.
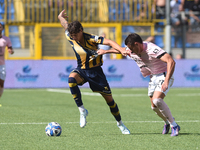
53	129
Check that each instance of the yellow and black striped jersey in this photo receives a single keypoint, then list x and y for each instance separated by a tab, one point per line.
86	55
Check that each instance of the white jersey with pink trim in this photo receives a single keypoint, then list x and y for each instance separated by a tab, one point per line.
148	60
4	41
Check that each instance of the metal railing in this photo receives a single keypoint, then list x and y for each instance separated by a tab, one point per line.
46	11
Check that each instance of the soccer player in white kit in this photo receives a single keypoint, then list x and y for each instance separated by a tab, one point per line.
153	61
4	42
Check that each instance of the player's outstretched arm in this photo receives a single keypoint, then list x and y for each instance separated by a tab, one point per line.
114	45
102	52
62	17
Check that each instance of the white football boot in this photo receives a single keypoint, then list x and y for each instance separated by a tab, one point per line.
123	128
83	118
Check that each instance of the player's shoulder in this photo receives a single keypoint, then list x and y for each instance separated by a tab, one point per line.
5	38
92	37
153	49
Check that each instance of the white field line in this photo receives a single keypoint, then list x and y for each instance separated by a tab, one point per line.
122	95
109	122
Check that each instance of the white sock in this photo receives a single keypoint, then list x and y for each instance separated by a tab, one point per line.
166	122
164	109
173	124
160	114
81	108
119	122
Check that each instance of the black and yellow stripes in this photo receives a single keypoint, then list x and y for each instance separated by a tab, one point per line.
86	54
75	91
114	110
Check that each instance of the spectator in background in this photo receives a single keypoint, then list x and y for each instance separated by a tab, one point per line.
195	13
175	12
179	56
185	5
4	42
177	19
160	9
104	47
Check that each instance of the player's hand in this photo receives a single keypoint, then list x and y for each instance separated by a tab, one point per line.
101	52
125	52
63	14
164	86
10	51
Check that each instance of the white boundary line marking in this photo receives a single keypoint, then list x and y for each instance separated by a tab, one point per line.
122	95
39	123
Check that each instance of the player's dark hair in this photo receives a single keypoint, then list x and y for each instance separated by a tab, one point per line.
132	38
74	27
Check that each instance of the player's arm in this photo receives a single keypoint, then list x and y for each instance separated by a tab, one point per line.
62	17
10	50
170	69
114	45
112	50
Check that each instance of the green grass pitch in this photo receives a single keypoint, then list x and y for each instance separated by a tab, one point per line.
24	114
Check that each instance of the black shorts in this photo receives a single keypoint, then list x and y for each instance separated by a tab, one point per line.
96	79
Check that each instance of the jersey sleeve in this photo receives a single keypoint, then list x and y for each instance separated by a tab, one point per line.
9	44
67	34
96	39
155	51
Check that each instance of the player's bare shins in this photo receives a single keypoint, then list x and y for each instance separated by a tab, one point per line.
108	98
77	77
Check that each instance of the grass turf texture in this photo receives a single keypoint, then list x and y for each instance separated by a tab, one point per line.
25	113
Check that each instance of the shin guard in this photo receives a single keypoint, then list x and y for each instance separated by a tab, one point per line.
114	110
75	91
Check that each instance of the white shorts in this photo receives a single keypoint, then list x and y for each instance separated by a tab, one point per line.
156	82
2	72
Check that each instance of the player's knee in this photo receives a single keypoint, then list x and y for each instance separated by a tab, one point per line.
72	82
158	102
153	108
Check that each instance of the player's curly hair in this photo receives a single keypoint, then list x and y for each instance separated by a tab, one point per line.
132	38
74	27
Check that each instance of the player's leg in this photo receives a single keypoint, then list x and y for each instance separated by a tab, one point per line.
73	81
115	112
1	87
157	111
2	78
156	96
98	83
164	109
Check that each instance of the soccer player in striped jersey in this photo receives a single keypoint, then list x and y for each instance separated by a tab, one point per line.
89	68
153	61
4	42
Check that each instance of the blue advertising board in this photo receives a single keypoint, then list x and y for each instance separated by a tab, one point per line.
120	73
